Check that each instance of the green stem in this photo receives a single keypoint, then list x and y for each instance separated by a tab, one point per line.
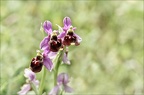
61	93
56	72
58	62
42	81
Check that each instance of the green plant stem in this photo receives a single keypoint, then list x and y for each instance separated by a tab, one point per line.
42	81
61	93
58	62
56	72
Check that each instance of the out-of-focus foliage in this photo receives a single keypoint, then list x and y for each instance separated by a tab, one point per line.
109	59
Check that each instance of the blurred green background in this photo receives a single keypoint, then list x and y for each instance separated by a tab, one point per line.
109	59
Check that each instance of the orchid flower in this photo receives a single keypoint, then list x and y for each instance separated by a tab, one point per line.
31	80
40	60
62	81
51	43
69	37
47	62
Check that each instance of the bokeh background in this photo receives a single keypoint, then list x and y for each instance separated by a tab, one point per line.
109	59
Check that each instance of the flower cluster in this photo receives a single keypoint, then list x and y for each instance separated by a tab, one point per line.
54	41
54	46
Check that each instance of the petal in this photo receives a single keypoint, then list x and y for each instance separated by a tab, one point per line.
67	22
47	27
61	35
36	83
29	74
54	91
44	43
46	51
63	78
65	29
52	55
79	39
74	28
47	62
65	59
25	88
68	89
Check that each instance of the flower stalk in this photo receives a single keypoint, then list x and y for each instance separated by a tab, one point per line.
58	62
42	81
61	93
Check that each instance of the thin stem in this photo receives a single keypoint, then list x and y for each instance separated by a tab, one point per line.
42	81
58	62
56	72
61	93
